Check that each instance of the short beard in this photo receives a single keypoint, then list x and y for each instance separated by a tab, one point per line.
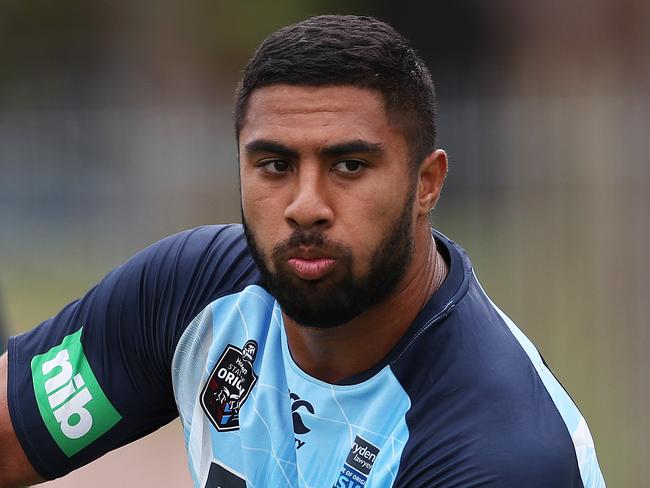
340	296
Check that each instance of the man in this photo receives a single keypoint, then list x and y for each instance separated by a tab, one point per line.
333	341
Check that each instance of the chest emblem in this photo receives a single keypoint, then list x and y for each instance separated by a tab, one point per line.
299	426
357	466
228	386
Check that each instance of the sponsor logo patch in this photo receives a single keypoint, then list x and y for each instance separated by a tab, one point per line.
299	426
228	386
73	406
221	476
357	466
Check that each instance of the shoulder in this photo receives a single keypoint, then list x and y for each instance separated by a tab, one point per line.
123	333
481	412
211	241
204	256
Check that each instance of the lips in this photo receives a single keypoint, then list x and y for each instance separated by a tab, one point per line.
311	267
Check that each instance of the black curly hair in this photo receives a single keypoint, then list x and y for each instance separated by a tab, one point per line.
348	50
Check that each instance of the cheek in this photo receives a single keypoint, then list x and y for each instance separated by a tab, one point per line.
380	207
371	224
255	199
263	213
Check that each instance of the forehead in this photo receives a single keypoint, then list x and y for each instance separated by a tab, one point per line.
307	112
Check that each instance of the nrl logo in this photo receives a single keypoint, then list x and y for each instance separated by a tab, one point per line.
228	386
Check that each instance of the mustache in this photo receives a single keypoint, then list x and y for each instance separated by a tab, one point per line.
311	239
305	239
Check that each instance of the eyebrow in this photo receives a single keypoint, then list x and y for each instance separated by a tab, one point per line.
265	145
338	149
354	146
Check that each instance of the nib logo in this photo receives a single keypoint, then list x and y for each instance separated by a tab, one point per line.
68	396
72	404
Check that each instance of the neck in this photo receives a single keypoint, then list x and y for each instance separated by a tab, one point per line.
354	347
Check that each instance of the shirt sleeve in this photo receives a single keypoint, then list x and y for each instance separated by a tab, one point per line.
98	374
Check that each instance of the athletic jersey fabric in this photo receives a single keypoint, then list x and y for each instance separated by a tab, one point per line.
186	327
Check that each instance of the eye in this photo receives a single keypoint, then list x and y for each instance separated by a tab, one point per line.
275	166
349	166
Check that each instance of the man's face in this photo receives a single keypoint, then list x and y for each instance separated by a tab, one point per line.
327	199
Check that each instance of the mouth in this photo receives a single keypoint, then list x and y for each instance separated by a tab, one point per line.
310	265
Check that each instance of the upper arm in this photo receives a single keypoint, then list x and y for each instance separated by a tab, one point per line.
98	374
15	469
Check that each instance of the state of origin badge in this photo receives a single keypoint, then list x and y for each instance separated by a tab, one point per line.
228	386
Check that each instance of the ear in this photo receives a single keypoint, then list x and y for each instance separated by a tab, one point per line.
431	176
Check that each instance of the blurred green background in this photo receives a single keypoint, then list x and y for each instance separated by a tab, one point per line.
115	130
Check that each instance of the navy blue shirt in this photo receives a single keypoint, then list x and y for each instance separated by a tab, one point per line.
186	328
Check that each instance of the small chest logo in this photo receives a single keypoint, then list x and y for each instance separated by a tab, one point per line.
357	466
228	386
299	426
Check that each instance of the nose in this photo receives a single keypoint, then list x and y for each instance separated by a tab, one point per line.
309	206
